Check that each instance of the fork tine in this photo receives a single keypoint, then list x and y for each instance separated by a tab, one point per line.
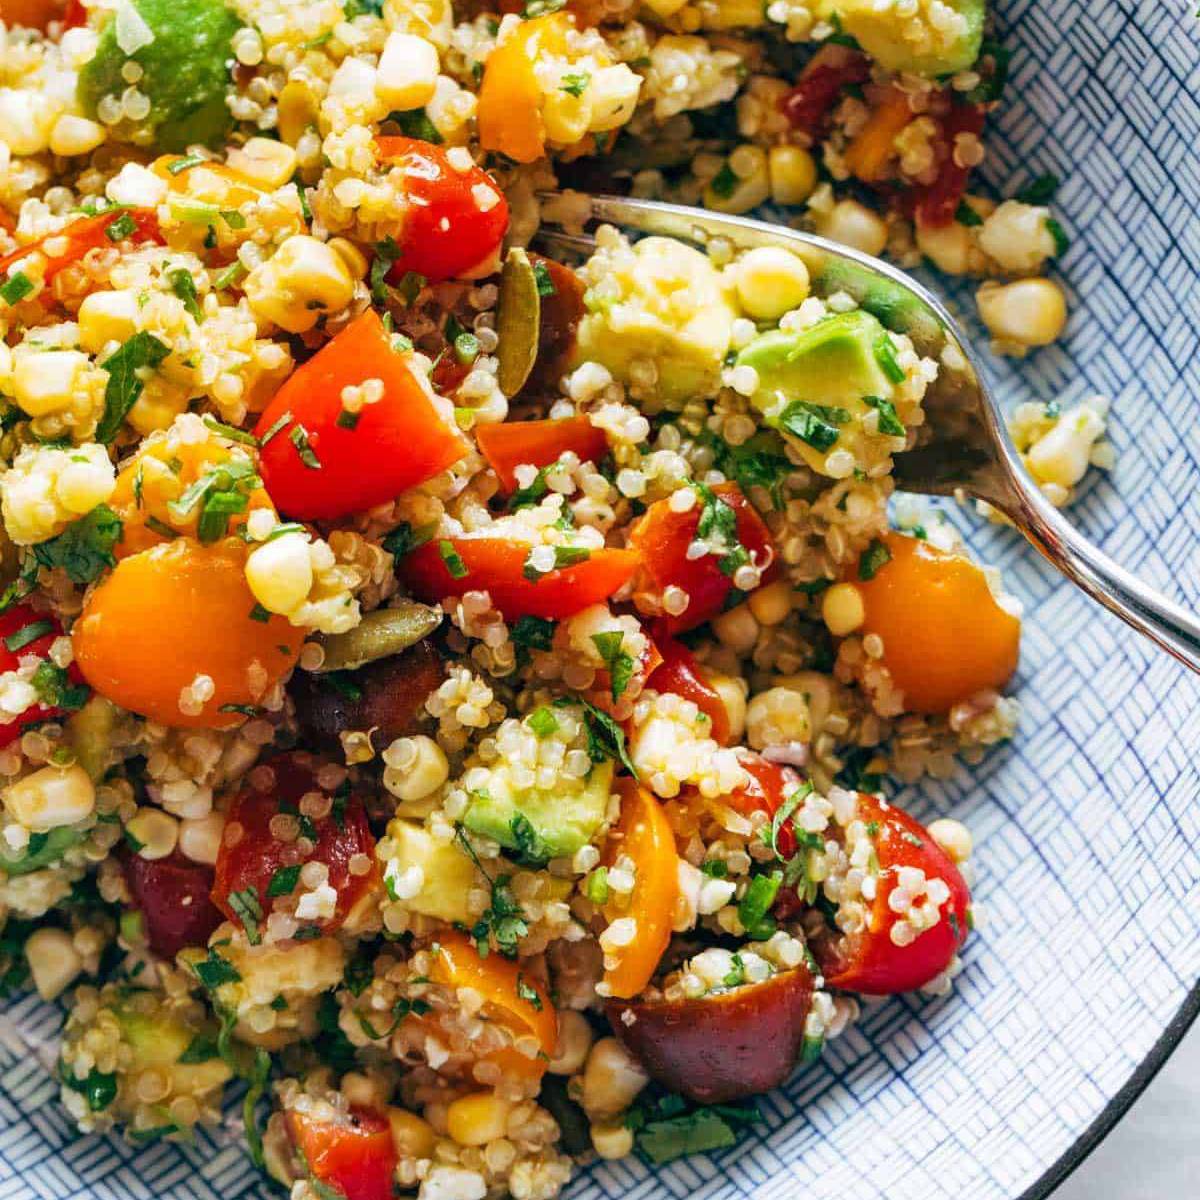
555	242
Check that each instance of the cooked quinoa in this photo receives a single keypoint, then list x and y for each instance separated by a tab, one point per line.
452	691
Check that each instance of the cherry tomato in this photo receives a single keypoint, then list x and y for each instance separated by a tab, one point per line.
444	568
809	105
509	115
16	643
870	961
945	637
88	233
172	896
644	834
254	859
318	465
600	693
680	674
558	319
354	1155
31	14
661	536
769	786
725	1046
175	612
936	203
456	219
511	444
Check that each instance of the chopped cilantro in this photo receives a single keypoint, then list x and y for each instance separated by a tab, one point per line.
964	214
283	881
184	286
873	557
15	288
885	356
533	633
814	424
84	548
98	1088
1039	191
605	738
404	539
214	971
247	908
526	496
55	689
618	662
564	556
386	253
1061	241
889	422
202	1048
415	123
724	182
141	352
529	994
575	84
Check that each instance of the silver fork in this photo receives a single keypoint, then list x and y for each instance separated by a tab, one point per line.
965	447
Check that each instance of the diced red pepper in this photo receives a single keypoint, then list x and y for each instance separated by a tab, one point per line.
256	867
809	105
321	462
661	537
497	566
172	896
83	235
13	626
511	444
456	219
936	203
354	1156
680	674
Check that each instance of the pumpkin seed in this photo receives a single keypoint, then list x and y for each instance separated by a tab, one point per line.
380	634
518	321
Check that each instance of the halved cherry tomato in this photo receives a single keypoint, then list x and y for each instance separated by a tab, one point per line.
724	1046
160	473
945	637
318	465
680	674
809	105
600	693
558	319
869	961
355	1156
88	233
253	859
30	14
15	626
504	986
936	203
509	115
75	14
496	565
644	834
456	219
176	612
172	896
874	146
661	537
511	444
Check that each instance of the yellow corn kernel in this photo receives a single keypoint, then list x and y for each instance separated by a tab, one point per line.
770	281
51	797
304	279
73	135
412	1136
264	161
855	225
297	111
478	1119
45	383
408	71
153	832
793	174
280	573
107	317
53	961
1029	312
842	609
351	255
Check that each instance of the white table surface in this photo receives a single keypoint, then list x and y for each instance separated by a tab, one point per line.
1154	1153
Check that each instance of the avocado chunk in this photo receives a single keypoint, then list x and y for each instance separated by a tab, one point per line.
815	386
183	48
160	1040
447	873
540	823
657	304
914	44
43	850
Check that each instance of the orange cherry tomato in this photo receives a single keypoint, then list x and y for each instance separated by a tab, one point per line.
511	444
661	536
254	860
456	219
353	1155
497	566
317	465
30	14
680	674
870	961
509	115
644	834
161	473
88	233
172	613
502	983
16	643
945	638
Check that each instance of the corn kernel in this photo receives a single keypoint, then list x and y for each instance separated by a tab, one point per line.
574	1042
478	1119
51	797
53	961
408	71
953	837
1029	312
107	317
73	135
412	1136
303	280
793	174
612	1141
842	609
200	837
856	226
45	383
154	833
770	281
280	573
264	161
612	1079
771	604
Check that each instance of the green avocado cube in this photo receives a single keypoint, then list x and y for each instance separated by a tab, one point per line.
912	44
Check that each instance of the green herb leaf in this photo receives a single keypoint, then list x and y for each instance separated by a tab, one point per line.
386	254
618	662
122	227
533	633
724	182
404	539
55	689
1039	191
15	288
28	633
247	908
606	739
84	548
214	971
873	557
99	1088
1061	242
453	560
814	424
141	352
415	123
283	881
756	904
889	422
964	214
885	356
529	994
184	286
202	1048
564	556
575	84
664	1141
298	436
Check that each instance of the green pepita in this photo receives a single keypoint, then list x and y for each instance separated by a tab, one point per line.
380	634
518	321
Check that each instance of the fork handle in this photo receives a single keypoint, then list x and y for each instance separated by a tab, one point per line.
1147	610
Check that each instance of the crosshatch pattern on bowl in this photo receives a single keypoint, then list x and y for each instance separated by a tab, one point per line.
1087	826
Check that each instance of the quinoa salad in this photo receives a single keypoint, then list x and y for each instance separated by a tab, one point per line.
449	695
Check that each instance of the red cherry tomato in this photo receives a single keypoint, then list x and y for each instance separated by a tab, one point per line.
936	203
354	1156
833	68
88	233
172	896
16	625
869	961
511	444
316	468
770	785
456	219
497	566
661	538
680	674
252	858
